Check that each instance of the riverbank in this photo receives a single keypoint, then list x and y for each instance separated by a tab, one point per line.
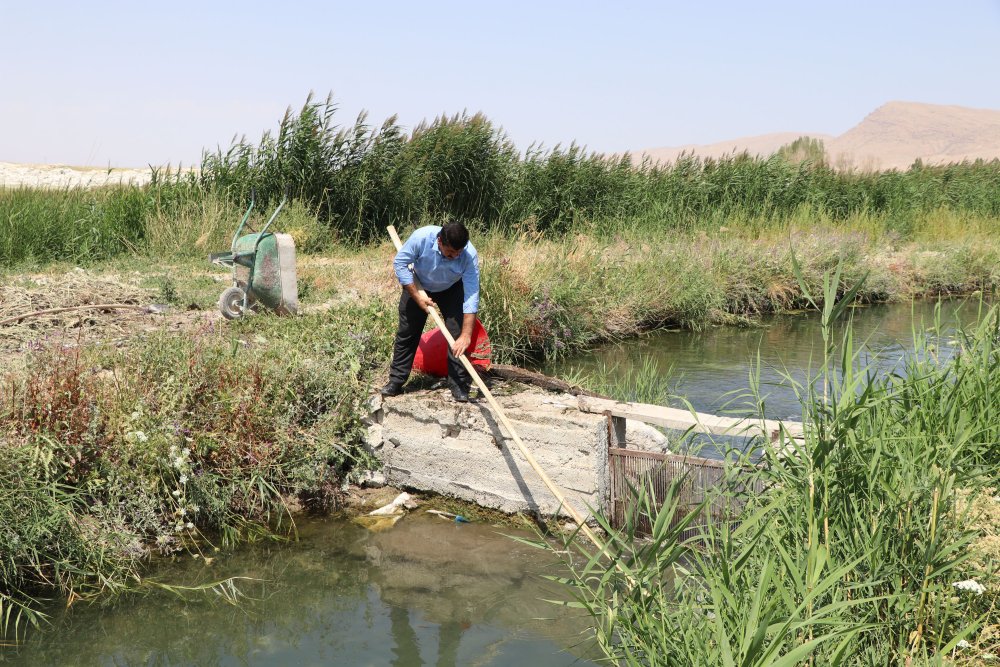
124	434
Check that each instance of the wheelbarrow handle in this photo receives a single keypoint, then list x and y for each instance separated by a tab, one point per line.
243	222
273	216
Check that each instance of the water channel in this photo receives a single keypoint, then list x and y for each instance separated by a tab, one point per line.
711	368
426	592
429	591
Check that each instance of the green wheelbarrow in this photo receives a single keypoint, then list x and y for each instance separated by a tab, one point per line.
263	265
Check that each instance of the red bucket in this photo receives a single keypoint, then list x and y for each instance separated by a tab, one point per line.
432	353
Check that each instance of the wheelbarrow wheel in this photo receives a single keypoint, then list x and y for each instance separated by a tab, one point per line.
231	303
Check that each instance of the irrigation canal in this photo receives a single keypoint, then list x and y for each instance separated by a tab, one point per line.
711	368
428	591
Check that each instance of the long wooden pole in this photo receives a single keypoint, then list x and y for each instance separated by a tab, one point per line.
498	411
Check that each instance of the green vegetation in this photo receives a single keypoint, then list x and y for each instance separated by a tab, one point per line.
850	555
355	179
175	441
803	149
859	551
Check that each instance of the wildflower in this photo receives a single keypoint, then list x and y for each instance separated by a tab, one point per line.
189	525
195	509
182	511
177	493
970	585
179	463
183	479
185	452
962	644
179	527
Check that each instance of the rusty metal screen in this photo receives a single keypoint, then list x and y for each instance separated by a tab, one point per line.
631	470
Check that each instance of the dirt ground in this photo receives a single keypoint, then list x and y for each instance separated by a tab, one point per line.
60	304
35	309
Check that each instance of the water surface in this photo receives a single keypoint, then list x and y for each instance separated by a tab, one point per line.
711	368
426	592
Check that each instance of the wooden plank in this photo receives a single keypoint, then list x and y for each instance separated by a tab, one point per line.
683	420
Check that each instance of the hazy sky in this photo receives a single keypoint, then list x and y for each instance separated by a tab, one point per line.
136	83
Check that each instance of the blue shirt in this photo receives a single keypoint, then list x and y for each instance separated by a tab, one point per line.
435	271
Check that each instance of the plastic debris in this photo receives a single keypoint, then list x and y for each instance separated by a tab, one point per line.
448	516
401	502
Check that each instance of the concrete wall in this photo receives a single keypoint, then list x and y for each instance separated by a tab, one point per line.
428	442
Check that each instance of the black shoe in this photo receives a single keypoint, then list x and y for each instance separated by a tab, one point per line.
460	395
391	389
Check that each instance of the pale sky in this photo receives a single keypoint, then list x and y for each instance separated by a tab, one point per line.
137	83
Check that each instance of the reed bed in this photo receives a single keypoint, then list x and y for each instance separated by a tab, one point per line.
354	179
864	547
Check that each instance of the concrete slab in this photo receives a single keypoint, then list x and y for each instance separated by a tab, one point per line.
428	442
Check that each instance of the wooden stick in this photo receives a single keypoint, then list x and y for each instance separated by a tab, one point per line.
484	390
50	311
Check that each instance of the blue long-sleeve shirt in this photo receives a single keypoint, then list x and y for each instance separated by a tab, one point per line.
435	271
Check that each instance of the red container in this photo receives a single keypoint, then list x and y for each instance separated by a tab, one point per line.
432	353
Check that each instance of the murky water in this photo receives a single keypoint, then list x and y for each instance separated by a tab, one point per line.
426	592
711	368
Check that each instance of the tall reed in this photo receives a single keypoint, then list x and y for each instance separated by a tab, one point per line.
856	553
356	178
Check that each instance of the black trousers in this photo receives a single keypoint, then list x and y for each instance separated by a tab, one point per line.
411	325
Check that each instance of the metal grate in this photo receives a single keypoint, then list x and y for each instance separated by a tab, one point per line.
632	469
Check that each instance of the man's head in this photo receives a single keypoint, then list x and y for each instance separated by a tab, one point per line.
452	239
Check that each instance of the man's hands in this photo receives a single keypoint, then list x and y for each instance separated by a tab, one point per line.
424	301
465	338
461	344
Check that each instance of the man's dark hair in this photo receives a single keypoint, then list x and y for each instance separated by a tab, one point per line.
454	235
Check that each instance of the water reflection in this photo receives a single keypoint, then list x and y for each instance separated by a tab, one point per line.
712	367
427	592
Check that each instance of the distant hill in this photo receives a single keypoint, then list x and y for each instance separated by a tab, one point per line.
891	137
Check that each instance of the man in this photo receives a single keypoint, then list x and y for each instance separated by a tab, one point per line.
447	266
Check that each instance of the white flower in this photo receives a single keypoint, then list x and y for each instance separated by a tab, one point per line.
182	511
962	644
173	450
185	452
177	493
970	585
190	525
178	463
183	479
179	527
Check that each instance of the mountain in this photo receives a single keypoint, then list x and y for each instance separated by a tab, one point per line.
891	137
